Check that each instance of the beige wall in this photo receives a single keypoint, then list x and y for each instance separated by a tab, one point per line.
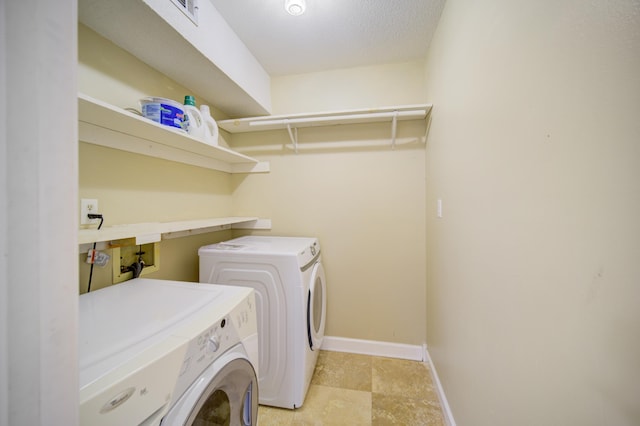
360	87
364	201
533	277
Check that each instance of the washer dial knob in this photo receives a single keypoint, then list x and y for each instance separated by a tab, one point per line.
213	344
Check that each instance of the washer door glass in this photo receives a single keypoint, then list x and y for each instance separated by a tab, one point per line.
215	411
230	399
316	307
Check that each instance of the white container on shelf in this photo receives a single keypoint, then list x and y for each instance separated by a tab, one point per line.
194	123
210	126
164	111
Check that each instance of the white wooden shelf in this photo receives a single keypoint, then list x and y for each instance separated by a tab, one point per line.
112	127
145	233
293	122
209	59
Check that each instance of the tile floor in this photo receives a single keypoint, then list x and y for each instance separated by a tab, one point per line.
351	389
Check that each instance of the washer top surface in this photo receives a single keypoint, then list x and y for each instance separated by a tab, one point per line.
266	245
118	322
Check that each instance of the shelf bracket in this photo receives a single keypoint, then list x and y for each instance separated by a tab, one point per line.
293	135
394	128
428	126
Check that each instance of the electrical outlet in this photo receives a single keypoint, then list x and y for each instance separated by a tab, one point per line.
88	205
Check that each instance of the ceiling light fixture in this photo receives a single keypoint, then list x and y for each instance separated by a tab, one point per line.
295	7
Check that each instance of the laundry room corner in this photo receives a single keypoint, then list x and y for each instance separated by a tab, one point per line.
347	186
286	212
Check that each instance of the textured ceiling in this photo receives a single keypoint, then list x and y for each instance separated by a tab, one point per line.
332	34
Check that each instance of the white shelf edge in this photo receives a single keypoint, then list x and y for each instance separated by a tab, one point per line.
254	224
155	231
106	125
330	118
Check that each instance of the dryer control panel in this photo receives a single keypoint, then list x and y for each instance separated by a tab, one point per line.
308	255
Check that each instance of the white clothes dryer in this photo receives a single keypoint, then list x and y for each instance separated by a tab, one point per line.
288	278
176	353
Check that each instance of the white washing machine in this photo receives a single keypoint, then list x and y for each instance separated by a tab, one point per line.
157	352
289	280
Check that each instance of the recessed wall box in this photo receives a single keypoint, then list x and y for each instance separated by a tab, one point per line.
124	254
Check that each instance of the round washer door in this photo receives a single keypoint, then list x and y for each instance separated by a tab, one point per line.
230	398
316	307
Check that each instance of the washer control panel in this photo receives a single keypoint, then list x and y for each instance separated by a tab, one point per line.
225	332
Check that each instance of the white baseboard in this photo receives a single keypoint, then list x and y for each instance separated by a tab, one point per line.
446	410
370	347
392	350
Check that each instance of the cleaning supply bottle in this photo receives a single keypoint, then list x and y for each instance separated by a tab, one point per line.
210	126
194	124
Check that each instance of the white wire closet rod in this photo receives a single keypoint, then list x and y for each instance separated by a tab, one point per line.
342	119
394	116
327	118
355	116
